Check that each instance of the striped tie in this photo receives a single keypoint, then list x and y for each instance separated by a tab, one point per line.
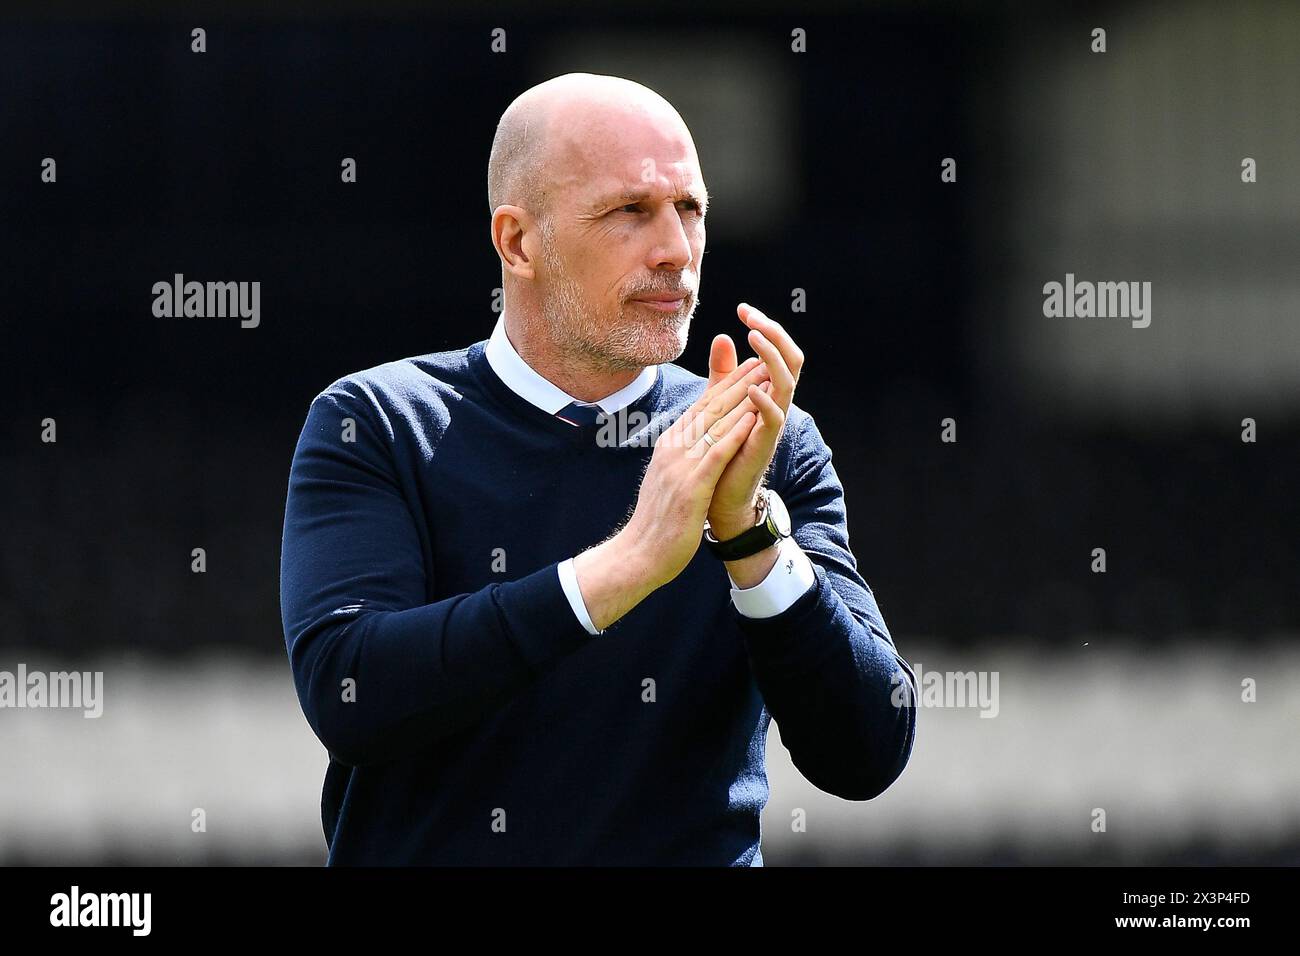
579	413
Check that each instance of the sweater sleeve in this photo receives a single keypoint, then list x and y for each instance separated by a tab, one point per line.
826	666
380	672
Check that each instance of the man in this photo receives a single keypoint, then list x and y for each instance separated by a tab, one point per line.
500	619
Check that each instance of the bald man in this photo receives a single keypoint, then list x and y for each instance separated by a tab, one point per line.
543	595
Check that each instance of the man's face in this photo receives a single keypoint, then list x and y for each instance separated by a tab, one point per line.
626	224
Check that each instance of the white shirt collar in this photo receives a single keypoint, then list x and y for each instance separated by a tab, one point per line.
526	382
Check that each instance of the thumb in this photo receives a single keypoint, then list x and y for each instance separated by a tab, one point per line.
722	358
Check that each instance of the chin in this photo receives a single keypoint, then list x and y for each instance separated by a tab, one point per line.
652	346
671	344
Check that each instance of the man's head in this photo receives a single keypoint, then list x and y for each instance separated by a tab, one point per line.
598	202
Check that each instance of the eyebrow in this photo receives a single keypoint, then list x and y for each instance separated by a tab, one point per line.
642	194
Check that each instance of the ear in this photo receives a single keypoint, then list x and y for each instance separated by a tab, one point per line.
722	358
512	227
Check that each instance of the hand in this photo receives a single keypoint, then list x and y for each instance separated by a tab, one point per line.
683	471
666	527
733	508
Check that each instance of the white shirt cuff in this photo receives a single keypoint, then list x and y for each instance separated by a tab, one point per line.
569	581
790	579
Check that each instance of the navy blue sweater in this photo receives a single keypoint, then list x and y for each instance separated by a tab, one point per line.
470	719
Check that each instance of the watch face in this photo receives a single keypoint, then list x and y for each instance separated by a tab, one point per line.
780	515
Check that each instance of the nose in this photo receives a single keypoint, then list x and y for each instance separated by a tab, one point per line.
672	247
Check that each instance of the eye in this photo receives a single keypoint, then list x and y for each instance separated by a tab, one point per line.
635	207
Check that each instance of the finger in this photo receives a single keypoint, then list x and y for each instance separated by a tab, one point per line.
716	458
722	402
766	432
776	334
742	372
722	358
782	378
719	428
772	415
723	424
739	372
774	330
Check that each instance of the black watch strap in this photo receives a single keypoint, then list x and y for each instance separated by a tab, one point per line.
763	535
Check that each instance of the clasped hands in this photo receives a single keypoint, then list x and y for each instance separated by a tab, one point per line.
772	375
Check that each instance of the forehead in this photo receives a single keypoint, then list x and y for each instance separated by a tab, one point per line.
640	152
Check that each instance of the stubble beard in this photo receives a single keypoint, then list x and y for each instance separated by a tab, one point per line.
632	338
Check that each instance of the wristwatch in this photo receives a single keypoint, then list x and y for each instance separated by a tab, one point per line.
772	525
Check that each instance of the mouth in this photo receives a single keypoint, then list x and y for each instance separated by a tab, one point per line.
662	302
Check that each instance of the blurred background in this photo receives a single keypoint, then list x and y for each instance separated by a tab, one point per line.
1120	690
